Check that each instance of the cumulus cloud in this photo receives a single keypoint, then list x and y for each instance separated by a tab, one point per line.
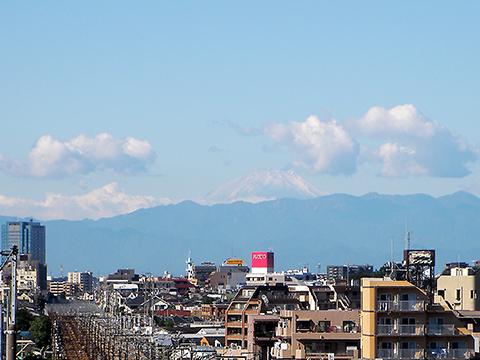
412	145
106	201
321	146
51	157
399	160
399	120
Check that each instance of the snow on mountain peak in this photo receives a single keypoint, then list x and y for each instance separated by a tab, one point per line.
262	185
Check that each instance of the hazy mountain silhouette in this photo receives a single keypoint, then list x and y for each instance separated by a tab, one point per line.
333	229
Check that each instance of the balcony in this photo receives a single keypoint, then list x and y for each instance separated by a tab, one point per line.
407	330
400	354
400	306
450	353
440	330
234	324
234	336
410	354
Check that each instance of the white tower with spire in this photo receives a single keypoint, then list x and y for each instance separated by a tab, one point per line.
190	270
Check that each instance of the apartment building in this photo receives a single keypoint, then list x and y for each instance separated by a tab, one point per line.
346	272
459	286
258	300
253	317
61	287
314	334
84	280
398	321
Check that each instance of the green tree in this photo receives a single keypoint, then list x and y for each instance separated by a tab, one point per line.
24	319
41	331
33	357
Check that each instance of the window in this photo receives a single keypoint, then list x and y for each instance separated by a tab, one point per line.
348	326
408	297
441	293
459	295
385	321
323	326
408	321
385	297
458	345
386	345
434	321
303	325
472	294
407	345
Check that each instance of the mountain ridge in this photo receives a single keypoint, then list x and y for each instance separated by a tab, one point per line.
330	229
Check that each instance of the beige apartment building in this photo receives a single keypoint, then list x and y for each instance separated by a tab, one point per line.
399	322
313	334
459	287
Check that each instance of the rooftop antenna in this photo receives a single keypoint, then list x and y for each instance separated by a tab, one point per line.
408	238
391	256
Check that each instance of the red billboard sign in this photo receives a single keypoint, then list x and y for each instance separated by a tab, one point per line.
262	259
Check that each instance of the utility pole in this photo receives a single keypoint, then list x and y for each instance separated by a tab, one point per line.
11	343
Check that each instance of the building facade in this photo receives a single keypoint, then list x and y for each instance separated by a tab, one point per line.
346	272
28	236
459	286
398	321
313	334
84	280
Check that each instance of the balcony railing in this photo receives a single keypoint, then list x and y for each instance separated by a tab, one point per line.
403	305
400	330
385	330
450	353
385	354
441	330
409	354
400	354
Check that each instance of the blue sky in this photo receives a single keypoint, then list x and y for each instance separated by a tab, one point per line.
204	82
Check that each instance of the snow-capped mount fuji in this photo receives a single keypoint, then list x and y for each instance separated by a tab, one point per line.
263	185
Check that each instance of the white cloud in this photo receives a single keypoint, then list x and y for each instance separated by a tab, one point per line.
412	145
106	201
399	160
399	120
321	146
51	157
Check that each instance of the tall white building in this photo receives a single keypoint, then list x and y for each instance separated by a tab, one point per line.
84	280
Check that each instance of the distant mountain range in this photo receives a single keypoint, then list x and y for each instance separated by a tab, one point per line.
333	229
